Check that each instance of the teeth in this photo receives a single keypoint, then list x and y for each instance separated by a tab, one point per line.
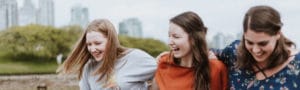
258	54
174	48
97	53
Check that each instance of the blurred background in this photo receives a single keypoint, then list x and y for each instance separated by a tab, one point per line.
37	35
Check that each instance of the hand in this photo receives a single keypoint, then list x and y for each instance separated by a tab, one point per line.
211	55
160	55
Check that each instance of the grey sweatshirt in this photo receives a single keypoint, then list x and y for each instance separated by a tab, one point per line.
130	73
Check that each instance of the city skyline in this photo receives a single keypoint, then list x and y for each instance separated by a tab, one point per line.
131	27
12	14
223	16
46	12
79	16
8	13
27	13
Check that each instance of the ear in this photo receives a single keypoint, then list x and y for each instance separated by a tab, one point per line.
278	35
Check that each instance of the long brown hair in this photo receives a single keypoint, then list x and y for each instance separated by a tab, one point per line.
267	20
193	25
80	54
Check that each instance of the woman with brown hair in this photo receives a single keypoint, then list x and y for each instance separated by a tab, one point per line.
187	66
102	63
264	59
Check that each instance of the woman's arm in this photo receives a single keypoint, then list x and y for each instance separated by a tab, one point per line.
139	69
228	54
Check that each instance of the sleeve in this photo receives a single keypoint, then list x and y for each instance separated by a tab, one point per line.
228	54
83	83
140	68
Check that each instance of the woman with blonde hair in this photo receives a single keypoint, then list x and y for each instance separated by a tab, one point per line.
102	63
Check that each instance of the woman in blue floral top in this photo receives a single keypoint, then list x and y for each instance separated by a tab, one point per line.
265	59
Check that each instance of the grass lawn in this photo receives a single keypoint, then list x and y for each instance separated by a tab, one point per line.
8	66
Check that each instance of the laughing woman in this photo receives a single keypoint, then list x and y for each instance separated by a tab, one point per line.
264	59
102	63
186	66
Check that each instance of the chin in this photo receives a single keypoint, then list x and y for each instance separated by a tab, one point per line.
176	56
260	59
98	59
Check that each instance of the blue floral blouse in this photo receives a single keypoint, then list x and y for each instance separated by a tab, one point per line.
241	79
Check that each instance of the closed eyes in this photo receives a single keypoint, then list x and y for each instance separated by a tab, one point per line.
262	43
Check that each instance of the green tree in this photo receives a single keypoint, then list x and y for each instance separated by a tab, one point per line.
152	46
38	42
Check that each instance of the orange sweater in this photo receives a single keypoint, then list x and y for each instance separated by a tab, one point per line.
170	76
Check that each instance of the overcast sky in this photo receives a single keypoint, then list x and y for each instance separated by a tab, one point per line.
218	15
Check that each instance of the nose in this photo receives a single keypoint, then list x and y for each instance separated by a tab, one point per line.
92	48
256	49
170	42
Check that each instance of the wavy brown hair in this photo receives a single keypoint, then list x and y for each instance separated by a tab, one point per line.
80	54
194	27
267	20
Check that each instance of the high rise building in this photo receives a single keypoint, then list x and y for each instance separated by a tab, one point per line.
79	16
45	13
221	40
27	13
8	13
218	41
3	14
131	27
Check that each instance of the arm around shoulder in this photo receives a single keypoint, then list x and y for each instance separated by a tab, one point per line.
141	66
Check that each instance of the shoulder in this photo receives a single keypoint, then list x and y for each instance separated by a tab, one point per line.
229	51
218	70
216	64
138	56
164	58
233	45
138	53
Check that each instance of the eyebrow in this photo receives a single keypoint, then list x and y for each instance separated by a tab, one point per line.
261	42
172	33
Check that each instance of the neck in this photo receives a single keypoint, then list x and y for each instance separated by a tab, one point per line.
186	61
262	65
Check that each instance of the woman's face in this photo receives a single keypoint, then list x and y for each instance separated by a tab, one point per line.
96	43
179	41
260	44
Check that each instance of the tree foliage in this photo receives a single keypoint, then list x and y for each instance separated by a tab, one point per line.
38	42
152	46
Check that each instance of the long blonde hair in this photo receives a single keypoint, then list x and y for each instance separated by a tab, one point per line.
80	54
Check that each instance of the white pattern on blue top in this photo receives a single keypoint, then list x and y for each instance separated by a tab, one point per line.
286	79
